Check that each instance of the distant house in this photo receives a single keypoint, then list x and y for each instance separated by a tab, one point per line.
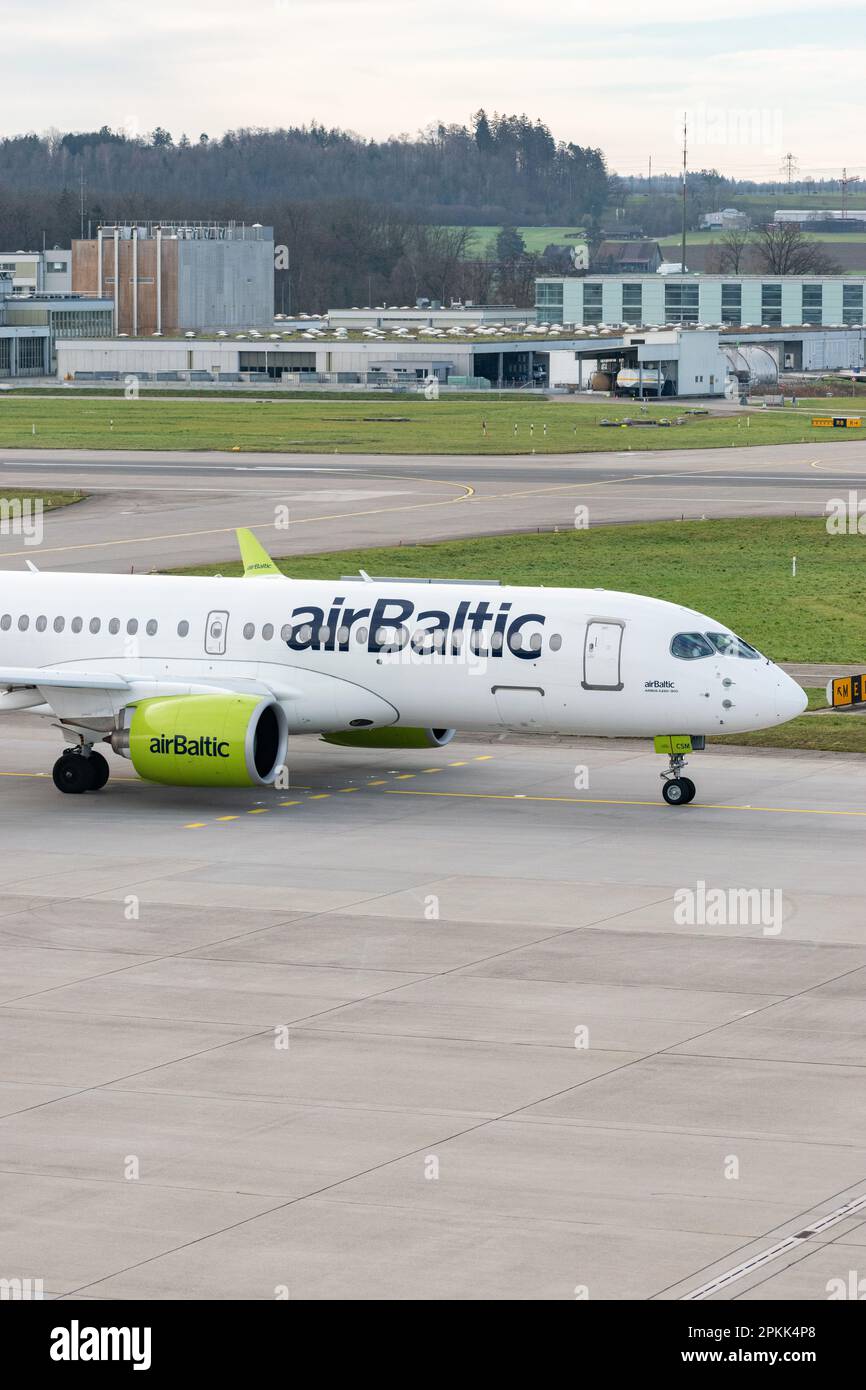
724	220
627	258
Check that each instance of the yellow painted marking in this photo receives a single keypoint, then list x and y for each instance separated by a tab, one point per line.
290	803
258	811
431	769
219	818
195	825
404	776
320	796
483	758
456	764
348	789
380	783
612	801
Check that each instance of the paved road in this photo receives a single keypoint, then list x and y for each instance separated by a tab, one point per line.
158	510
432	1026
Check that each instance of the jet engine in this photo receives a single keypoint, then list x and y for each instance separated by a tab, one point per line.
218	740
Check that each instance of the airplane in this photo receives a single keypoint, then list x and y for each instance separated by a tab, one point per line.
203	681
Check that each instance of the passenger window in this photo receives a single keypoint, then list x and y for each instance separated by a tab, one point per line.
132	626
59	624
114	626
361	636
690	646
95	625
6	622
249	631
41	623
555	642
268	631
182	628
152	627
77	624
726	644
286	632
23	623
535	642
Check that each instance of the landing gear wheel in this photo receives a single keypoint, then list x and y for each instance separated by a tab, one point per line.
679	791
72	773
690	787
101	772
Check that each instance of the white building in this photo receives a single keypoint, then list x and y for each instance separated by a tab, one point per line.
770	301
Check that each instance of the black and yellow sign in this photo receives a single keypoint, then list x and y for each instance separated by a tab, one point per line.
838	422
847	690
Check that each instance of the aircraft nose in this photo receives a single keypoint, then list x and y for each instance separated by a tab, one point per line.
791	699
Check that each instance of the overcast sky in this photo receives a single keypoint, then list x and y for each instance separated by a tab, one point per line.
790	79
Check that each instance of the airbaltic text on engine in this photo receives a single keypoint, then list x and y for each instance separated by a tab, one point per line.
391	615
178	745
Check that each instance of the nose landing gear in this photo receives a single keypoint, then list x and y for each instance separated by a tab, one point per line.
678	791
80	770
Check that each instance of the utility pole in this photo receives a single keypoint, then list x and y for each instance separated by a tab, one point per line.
845	181
789	168
685	154
81	199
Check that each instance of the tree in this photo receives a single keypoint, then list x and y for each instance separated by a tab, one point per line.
732	252
161	139
509	244
784	250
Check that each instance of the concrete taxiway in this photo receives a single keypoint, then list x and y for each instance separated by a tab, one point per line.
158	510
434	1024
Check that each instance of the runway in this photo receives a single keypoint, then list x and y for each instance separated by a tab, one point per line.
432	1025
152	510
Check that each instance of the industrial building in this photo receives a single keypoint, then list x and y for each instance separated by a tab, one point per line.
32	323
38	272
769	301
165	277
427	313
681	361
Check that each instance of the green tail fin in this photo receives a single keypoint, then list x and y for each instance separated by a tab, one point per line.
255	558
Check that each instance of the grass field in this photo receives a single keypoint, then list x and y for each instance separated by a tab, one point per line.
737	572
50	500
703	238
535	238
393	426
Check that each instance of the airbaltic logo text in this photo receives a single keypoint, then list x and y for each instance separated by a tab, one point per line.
179	746
475	624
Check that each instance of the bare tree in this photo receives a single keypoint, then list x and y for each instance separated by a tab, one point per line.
784	250
732	251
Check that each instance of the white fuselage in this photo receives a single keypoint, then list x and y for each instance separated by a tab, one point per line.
354	654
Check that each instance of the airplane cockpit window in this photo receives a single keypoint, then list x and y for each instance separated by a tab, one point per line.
726	644
690	646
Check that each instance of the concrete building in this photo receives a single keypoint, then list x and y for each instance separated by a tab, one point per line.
724	220
38	272
740	300
25	349
627	258
165	277
676	361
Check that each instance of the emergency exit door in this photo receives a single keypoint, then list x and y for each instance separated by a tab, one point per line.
602	656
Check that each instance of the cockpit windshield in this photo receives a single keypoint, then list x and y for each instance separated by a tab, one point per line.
691	646
726	644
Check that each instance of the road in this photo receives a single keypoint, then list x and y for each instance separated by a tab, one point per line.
158	510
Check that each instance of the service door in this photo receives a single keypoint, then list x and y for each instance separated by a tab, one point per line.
215	633
519	706
602	652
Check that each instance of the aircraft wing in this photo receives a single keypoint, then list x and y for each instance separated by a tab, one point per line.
22	677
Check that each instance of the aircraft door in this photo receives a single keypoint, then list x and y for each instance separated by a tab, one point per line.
215	633
602	653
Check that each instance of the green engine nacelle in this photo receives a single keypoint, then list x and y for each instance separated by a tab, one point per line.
206	740
391	737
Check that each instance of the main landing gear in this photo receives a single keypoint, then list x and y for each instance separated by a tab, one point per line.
677	790
80	770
